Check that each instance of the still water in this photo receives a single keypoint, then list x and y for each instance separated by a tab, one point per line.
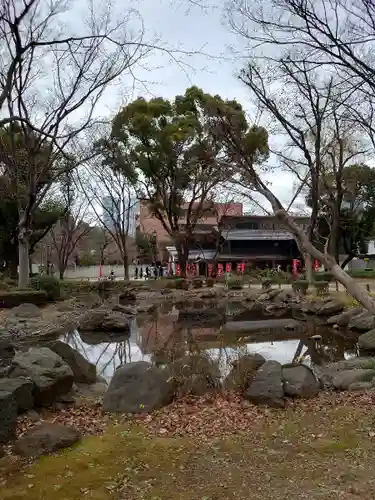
221	335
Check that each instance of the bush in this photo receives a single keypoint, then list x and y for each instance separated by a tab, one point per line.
210	282
362	273
321	287
300	286
17	297
48	284
5	287
267	284
197	283
178	284
235	284
323	277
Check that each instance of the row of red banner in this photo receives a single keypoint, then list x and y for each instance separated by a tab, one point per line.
193	270
297	264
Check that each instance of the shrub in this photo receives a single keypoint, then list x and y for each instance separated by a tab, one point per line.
5	287
266	284
197	283
300	286
48	284
235	284
321	287
178	284
362	273
17	297
210	282
323	277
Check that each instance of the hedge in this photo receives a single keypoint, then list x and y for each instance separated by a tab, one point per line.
48	284
17	297
362	273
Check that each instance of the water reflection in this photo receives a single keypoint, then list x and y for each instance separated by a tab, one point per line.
167	335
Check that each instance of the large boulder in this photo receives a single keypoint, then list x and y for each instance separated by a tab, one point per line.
366	341
327	373
8	416
342	320
103	320
22	391
362	322
243	371
323	307
267	386
25	311
52	377
7	352
83	370
138	387
330	307
96	338
194	375
46	438
300	381
343	380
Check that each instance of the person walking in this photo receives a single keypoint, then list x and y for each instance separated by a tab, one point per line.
136	273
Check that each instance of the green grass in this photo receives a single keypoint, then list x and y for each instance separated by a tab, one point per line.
324	454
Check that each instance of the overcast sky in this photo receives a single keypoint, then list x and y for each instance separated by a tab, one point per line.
213	66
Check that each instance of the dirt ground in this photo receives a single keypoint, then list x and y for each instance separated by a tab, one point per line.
322	449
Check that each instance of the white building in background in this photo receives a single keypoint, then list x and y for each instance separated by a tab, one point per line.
118	213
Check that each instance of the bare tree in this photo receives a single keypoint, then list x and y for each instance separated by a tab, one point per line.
248	168
336	36
111	196
72	227
52	79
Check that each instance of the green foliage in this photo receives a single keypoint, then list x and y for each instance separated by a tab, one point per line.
5	287
87	260
300	286
178	284
267	283
322	277
321	287
49	284
197	283
16	297
357	213
174	147
362	273
235	284
210	282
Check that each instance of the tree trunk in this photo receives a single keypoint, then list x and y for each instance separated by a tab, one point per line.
23	259
348	259
309	268
328	260
126	267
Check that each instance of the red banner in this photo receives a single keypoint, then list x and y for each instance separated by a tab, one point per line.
239	268
193	269
219	269
228	267
295	264
209	270
178	269
243	267
316	265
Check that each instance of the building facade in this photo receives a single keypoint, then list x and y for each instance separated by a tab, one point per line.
120	213
256	241
148	224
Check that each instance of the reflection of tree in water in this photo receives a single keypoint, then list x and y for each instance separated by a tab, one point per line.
119	352
323	346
